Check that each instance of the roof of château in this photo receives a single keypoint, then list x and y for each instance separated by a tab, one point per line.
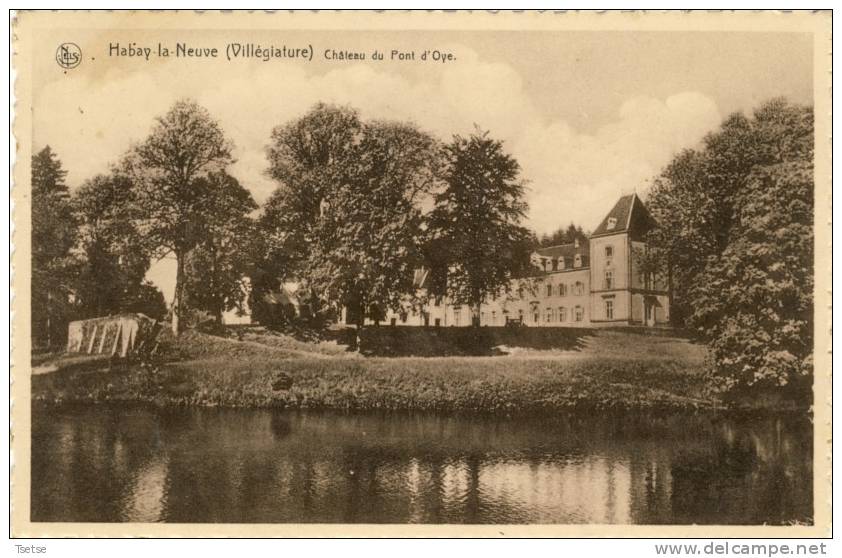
628	214
566	250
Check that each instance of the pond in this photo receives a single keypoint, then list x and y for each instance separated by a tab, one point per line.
140	464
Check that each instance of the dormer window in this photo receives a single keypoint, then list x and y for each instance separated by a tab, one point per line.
561	262
577	261
612	223
576	242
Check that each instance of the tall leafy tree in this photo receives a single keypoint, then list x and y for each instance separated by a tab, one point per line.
696	200
53	238
115	256
477	220
349	203
754	301
216	267
170	170
306	158
735	239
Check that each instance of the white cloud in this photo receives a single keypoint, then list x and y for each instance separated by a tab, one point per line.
573	175
578	176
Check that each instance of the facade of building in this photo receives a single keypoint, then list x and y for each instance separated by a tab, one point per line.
601	281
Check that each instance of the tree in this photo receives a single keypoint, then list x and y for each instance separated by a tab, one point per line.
215	268
735	240
348	205
562	235
53	237
754	302
115	256
477	219
306	158
170	170
697	196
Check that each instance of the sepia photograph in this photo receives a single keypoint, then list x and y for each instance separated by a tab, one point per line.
405	273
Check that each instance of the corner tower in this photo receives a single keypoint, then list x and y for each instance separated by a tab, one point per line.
621	292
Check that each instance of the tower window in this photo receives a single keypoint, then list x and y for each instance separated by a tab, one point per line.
609	309
609	279
609	251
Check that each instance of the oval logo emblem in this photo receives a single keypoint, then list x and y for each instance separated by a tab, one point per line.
68	55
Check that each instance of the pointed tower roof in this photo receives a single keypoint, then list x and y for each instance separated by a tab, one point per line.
628	215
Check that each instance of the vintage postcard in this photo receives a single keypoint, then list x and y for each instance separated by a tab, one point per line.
421	274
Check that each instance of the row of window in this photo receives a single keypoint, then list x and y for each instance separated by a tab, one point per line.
553	264
551	315
577	314
577	288
560	315
558	264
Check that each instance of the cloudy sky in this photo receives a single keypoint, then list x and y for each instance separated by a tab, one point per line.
589	115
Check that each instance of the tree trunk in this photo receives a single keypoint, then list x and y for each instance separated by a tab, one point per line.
49	319
475	320
217	298
358	340
361	314
672	319
177	301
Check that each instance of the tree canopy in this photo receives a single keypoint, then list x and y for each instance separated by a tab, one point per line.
476	221
54	234
736	238
115	256
173	195
347	212
216	266
562	235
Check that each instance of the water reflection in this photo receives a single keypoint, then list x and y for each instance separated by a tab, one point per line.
211	465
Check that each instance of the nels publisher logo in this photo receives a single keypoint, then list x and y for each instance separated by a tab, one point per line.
68	55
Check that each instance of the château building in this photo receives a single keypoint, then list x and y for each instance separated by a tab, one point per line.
593	282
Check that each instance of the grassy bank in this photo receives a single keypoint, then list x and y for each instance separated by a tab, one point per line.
252	368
